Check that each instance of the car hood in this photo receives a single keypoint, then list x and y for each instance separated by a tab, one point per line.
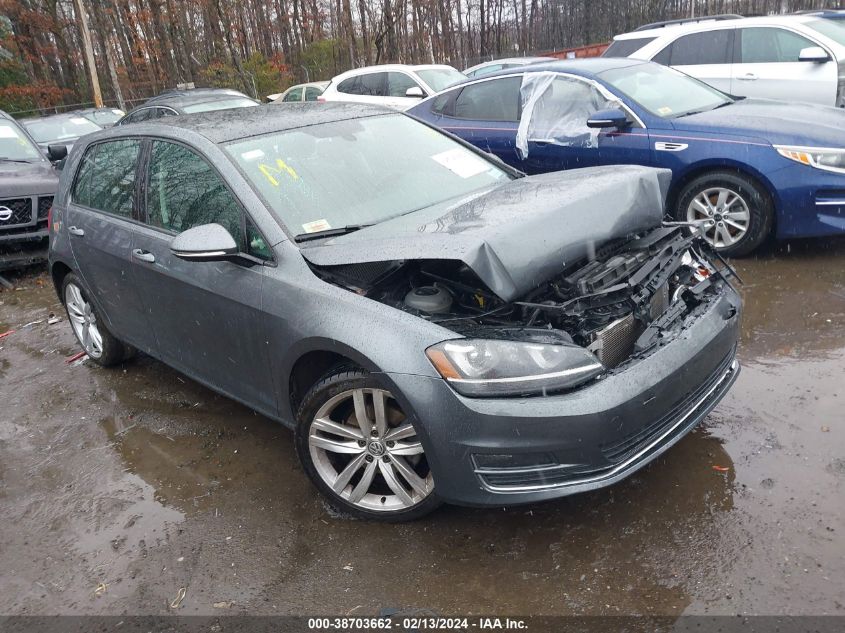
27	179
779	122
517	235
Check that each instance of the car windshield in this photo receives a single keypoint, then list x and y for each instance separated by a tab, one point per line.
663	91
832	29
441	78
359	171
220	104
14	145
61	128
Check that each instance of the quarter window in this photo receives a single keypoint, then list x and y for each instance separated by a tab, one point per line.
770	45
294	95
493	100
106	177
184	191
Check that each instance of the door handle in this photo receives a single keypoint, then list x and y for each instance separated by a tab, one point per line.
748	77
144	256
73	230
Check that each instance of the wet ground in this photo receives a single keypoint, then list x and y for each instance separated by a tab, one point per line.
120	487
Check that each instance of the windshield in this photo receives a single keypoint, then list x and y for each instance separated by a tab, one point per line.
14	144
220	104
359	171
52	129
832	29
441	78
664	91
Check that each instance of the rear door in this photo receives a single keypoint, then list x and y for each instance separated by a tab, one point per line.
206	315
100	220
767	66
705	56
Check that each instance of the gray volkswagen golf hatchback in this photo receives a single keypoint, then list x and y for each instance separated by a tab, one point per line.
434	326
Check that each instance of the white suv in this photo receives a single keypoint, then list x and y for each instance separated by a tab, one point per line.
393	85
789	57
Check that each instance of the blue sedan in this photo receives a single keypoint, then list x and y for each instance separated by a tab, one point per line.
742	169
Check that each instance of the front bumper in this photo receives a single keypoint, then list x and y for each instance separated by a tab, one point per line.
510	451
811	202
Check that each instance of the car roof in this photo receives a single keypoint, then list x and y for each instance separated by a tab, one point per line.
584	66
703	24
389	67
222	126
181	98
61	115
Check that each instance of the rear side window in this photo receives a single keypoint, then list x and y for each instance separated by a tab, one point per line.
493	100
770	45
707	47
626	48
106	177
144	114
184	191
371	85
312	92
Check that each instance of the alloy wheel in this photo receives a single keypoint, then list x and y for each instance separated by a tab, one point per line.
727	212
368	453
83	320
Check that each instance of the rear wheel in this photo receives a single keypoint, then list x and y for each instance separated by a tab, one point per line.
93	335
739	211
361	450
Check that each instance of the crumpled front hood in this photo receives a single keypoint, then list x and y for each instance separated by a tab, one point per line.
779	122
27	179
517	235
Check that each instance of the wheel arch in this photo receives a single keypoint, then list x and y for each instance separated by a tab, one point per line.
743	169
58	271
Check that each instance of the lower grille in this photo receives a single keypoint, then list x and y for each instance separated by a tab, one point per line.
15	211
624	448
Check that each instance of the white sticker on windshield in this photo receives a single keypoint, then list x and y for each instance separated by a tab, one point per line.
253	154
461	162
78	120
7	132
118	112
316	225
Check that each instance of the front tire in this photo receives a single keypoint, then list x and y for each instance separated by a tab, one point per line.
740	211
90	330
361	450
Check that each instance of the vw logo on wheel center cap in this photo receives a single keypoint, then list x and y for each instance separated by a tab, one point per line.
376	448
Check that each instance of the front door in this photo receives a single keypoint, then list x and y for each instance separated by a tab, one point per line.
100	222
767	66
555	135
206	315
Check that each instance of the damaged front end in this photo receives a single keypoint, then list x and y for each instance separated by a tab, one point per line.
625	298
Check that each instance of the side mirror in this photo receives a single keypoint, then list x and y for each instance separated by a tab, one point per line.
813	54
608	118
56	152
415	91
204	243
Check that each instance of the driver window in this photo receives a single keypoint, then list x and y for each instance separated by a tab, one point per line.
561	113
399	83
184	191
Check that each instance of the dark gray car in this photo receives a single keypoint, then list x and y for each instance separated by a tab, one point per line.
433	325
27	184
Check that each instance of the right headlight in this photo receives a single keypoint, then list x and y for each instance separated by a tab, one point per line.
487	368
829	159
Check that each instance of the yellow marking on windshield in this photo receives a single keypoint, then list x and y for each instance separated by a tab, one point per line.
281	168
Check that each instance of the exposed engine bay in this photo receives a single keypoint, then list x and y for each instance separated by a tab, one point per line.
618	303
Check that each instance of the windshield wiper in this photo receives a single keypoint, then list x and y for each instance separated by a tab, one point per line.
702	110
318	235
14	160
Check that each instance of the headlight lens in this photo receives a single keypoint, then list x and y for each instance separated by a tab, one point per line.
819	157
482	367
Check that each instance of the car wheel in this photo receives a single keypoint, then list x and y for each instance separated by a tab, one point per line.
740	211
100	345
361	451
